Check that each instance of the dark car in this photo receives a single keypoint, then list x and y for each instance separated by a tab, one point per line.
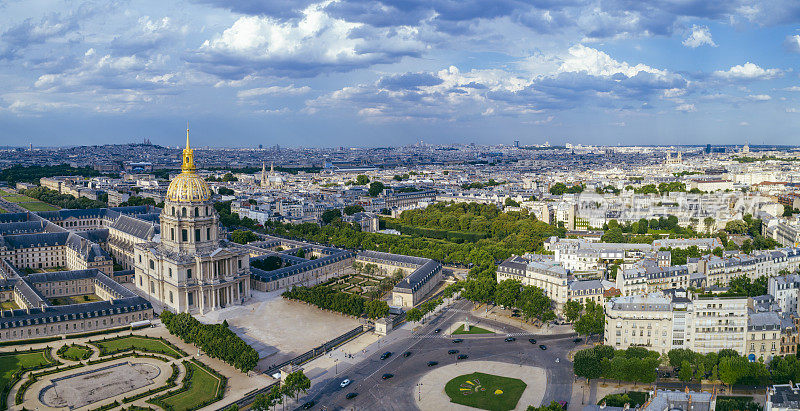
386	376
308	405
532	340
577	340
407	353
457	340
386	355
462	356
438	330
451	352
510	339
351	395
543	347
432	363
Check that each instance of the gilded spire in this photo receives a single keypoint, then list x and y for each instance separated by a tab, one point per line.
188	155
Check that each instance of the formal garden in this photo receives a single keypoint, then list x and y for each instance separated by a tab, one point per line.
26	202
485	391
472	330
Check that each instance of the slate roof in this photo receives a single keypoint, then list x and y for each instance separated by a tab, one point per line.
135	227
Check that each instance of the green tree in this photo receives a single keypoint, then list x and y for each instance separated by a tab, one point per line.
686	373
510	202
587	364
361	180
329	215
507	293
229	177
613	235
243	236
296	383
572	310
375	188
352	209
592	321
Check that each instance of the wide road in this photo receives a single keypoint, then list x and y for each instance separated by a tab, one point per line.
425	345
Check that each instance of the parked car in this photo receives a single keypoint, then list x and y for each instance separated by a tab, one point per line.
386	355
407	353
351	395
462	356
308	405
458	340
543	347
451	352
438	330
510	339
345	383
532	340
387	376
432	363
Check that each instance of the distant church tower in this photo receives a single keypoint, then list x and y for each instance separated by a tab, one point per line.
264	181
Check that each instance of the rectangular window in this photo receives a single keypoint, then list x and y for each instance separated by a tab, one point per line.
172	234
152	264
208	233
189	274
184	235
196	234
191	298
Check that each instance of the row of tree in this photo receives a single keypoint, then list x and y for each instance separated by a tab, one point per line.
32	174
216	340
62	200
588	319
329	299
243	236
292	386
634	364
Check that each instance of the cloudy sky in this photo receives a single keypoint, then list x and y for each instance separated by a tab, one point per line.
379	72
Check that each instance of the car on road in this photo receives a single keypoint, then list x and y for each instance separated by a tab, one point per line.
510	339
438	330
308	405
577	340
407	354
432	363
532	340
386	355
345	383
458	340
451	352
462	357
543	347
351	395
386	376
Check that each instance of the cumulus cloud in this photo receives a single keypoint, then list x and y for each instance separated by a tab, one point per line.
760	97
792	43
699	36
597	63
686	108
303	47
748	71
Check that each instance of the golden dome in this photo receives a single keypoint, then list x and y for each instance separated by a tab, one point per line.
188	186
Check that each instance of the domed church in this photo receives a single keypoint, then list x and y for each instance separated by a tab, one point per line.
189	269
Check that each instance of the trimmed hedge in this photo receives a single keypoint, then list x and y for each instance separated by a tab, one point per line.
29	341
104	351
17	376
33	377
187	384
66	347
169	384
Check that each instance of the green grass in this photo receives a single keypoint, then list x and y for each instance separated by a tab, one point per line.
482	391
13	362
137	343
4	192
472	330
203	388
38	206
75	299
634	398
76	353
9	305
18	198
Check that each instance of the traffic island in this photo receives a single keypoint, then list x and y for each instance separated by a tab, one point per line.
485	391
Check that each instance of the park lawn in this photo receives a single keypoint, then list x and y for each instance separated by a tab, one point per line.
4	192
485	391
18	198
139	344
12	362
203	387
77	352
38	206
472	330
9	305
75	299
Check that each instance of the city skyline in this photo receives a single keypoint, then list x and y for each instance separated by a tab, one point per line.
303	73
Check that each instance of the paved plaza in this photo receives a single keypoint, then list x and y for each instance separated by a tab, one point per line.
429	392
278	328
81	389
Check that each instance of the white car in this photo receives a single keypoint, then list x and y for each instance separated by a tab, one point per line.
345	383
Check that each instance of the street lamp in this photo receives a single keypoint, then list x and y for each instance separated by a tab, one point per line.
336	365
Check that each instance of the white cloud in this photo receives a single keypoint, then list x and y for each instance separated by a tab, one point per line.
760	97
744	124
596	63
793	110
307	46
289	90
700	36
792	43
792	88
686	108
748	71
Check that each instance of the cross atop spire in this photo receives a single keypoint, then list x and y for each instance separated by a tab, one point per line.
187	134
188	155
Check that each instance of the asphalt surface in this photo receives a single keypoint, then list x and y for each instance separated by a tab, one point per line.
374	393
